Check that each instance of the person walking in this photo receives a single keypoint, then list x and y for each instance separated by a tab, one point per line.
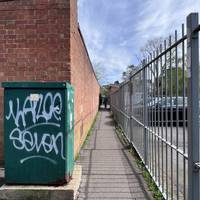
100	101
105	102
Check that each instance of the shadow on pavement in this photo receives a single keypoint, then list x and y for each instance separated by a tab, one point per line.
108	184
110	123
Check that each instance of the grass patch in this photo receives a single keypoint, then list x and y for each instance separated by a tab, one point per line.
150	182
88	135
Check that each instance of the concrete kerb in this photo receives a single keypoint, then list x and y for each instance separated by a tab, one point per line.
65	192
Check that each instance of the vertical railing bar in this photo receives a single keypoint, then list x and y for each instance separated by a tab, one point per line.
144	113
158	117
124	119
119	103
166	116
162	152
124	110
177	120
147	113
171	115
131	109
152	111
155	162
184	123
122	107
152	157
122	116
121	95
148	109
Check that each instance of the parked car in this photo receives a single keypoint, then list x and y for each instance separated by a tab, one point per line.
168	110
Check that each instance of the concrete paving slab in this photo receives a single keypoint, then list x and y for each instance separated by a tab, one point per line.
108	172
24	192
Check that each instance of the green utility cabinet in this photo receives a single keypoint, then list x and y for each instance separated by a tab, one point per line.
38	132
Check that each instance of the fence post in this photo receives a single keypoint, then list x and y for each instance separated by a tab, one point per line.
193	108
145	112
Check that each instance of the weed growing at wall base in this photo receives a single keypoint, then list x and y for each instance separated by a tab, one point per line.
88	134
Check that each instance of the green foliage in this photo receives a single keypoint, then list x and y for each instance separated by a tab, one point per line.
90	131
104	91
130	69
88	134
150	182
167	82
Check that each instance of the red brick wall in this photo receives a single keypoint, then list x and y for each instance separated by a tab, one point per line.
34	40
86	89
84	81
35	44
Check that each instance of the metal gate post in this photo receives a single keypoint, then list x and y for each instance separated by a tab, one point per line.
193	108
145	112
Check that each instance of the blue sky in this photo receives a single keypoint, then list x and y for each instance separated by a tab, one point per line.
115	30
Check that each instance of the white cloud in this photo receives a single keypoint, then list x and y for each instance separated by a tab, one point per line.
161	18
115	30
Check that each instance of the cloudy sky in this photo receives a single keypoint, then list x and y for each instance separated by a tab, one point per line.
115	30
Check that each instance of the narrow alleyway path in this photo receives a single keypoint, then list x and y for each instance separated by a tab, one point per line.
109	172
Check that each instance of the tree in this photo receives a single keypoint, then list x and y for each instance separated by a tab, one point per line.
116	83
124	76
104	90
130	70
150	47
167	82
168	69
99	71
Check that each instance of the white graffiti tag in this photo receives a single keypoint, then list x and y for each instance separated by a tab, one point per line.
38	109
42	110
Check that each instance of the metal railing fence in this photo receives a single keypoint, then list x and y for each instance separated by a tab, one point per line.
158	110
